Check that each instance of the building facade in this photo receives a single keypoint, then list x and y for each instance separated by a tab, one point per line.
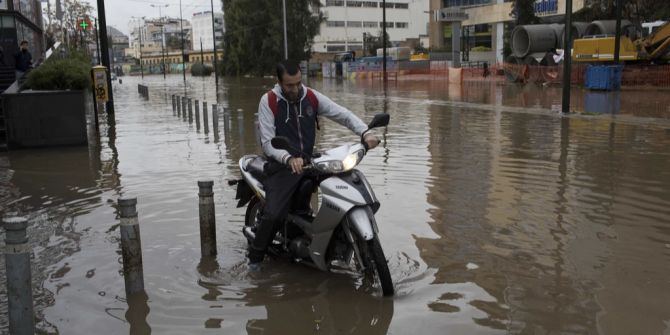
21	20
484	22
347	21
157	34
202	30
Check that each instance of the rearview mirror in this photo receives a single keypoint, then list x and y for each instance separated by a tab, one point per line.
380	120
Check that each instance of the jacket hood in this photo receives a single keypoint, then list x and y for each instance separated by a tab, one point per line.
277	90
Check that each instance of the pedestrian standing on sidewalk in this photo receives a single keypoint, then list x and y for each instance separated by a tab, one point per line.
23	59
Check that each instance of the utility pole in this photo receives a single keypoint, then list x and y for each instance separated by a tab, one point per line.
617	36
216	71
183	56
202	55
105	55
139	33
567	58
162	23
285	38
384	38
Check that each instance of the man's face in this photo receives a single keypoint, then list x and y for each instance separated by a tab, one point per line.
24	46
290	85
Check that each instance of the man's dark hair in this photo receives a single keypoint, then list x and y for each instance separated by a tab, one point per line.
23	42
287	66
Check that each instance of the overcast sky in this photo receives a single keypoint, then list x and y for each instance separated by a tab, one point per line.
119	12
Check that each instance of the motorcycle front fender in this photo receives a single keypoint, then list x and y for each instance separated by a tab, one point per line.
361	220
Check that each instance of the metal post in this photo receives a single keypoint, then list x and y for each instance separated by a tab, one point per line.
131	246
197	115
215	117
216	69
174	104
567	58
178	106
19	281
617	36
190	110
204	117
97	39
207	219
286	38
105	55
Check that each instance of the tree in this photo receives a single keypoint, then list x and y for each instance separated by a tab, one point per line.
254	39
523	12
374	42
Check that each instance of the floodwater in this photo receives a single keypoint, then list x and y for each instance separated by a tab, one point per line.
498	216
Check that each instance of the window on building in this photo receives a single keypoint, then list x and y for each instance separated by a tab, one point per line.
334	3
354	3
401	25
465	3
388	5
354	24
370	4
388	24
370	24
334	23
402	5
335	48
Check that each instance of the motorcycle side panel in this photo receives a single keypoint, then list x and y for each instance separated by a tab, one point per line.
254	184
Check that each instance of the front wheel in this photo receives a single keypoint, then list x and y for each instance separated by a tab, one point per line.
376	268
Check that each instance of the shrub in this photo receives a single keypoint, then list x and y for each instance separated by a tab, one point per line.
480	49
72	73
201	70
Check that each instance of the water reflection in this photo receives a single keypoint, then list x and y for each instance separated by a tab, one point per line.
322	304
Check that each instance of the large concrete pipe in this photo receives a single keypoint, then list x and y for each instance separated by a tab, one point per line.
533	38
606	27
578	30
558	30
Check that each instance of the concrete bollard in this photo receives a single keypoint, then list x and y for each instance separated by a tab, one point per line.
183	107
131	246
190	110
205	122
215	117
174	105
19	281
178	106
207	219
197	115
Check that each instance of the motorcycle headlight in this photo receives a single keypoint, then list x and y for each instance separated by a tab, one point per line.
341	166
352	160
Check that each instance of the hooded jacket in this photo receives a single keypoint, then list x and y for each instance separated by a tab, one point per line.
297	121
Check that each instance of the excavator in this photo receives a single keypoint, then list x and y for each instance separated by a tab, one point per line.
600	48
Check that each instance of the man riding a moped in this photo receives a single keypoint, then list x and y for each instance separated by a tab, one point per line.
278	186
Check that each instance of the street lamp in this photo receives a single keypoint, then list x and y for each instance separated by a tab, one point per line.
160	17
139	32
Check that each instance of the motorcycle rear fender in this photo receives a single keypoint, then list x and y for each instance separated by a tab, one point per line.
244	193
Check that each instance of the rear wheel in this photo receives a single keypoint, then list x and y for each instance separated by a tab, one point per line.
376	269
251	217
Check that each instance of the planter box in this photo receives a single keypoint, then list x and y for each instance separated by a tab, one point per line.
46	118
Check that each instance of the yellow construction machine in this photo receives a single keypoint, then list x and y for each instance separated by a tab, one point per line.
600	48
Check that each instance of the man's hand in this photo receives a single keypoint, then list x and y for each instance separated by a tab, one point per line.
296	163
371	140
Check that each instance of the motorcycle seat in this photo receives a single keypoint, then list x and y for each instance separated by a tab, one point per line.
256	167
